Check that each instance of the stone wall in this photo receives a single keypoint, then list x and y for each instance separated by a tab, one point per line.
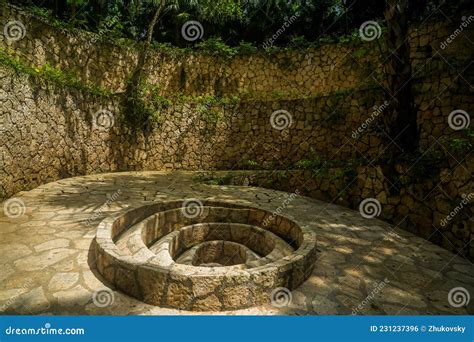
49	131
312	71
437	207
321	71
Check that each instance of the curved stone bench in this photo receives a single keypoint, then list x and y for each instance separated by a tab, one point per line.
138	251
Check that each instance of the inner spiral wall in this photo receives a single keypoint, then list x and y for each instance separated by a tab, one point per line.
221	258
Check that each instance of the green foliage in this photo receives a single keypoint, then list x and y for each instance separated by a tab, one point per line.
143	108
310	164
281	174
331	169
421	166
304	22
250	164
110	28
46	15
169	49
354	36
462	145
350	169
361	52
246	48
272	50
300	42
210	107
40	12
215	46
212	179
48	73
213	116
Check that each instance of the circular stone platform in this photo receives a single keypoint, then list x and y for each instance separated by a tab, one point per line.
51	264
285	254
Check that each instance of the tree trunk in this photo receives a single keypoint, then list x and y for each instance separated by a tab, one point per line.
401	119
97	14
135	114
138	73
60	8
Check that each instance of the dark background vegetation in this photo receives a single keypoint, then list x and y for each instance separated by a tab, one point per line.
234	21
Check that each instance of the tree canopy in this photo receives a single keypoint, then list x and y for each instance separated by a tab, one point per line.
233	21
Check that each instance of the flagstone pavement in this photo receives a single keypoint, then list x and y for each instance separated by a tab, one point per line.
364	266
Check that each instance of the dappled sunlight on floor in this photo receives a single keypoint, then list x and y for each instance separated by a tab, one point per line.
363	266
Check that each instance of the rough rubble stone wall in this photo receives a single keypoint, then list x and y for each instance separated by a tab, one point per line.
313	71
421	206
323	70
47	131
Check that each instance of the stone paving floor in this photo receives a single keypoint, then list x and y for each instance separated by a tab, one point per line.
364	266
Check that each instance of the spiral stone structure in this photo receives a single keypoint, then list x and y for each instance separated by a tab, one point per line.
203	255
